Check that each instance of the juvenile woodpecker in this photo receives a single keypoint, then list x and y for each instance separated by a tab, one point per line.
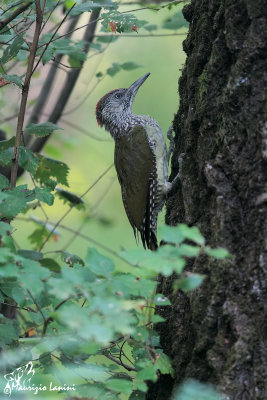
141	160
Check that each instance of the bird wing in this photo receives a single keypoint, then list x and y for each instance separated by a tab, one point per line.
136	168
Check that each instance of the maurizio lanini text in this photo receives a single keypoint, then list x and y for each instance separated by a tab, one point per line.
35	389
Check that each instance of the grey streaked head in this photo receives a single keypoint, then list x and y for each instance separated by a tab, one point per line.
114	109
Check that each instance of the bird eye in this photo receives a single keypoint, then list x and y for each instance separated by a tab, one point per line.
118	95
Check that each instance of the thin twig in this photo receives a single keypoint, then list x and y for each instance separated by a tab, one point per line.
93	21
96	243
84	99
69	84
25	92
51	12
51	39
72	206
46	88
122	354
93	208
85	237
37	305
12	6
84	131
119	362
29	309
15	14
50	319
144	35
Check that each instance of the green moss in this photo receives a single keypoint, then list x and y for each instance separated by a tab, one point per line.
203	82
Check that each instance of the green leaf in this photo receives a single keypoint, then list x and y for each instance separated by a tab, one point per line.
176	234
114	69
12	50
188	283
45	195
219	253
123	22
157	318
70	197
98	263
192	233
128	66
32	275
86	7
163	363
192	389
28	160
120	386
38	236
165	261
14	79
31	254
177	21
14	201
48	54
5	228
107	39
150	28
49	168
8	241
7	332
41	130
6	156
149	372
161	300
5	254
51	264
71	259
189	251
5	144
171	234
4	182
137	395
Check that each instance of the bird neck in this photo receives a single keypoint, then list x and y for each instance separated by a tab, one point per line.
120	124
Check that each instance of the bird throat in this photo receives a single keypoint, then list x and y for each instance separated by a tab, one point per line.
120	124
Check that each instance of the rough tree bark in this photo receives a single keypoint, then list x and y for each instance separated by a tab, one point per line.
218	333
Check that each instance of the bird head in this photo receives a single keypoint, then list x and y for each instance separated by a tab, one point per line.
114	108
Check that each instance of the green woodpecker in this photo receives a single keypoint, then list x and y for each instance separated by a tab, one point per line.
141	160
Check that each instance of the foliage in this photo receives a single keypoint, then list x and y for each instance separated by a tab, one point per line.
192	389
81	323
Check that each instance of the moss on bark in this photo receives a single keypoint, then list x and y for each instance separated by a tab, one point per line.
218	333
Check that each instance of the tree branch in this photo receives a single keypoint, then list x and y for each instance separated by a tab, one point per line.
52	37
25	92
119	362
17	12
46	88
70	82
50	319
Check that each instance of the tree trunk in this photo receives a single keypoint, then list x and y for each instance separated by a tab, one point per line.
218	332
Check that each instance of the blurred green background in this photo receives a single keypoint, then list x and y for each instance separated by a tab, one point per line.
88	158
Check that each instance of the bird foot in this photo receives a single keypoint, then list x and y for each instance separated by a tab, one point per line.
170	136
178	176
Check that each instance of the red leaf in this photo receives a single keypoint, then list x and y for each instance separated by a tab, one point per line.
3	82
113	26
134	28
55	238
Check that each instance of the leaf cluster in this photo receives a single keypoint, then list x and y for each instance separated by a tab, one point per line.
80	320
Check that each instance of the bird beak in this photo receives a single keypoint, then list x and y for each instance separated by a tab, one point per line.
133	89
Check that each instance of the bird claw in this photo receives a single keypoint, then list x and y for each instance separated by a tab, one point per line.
170	133
180	161
170	136
178	176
